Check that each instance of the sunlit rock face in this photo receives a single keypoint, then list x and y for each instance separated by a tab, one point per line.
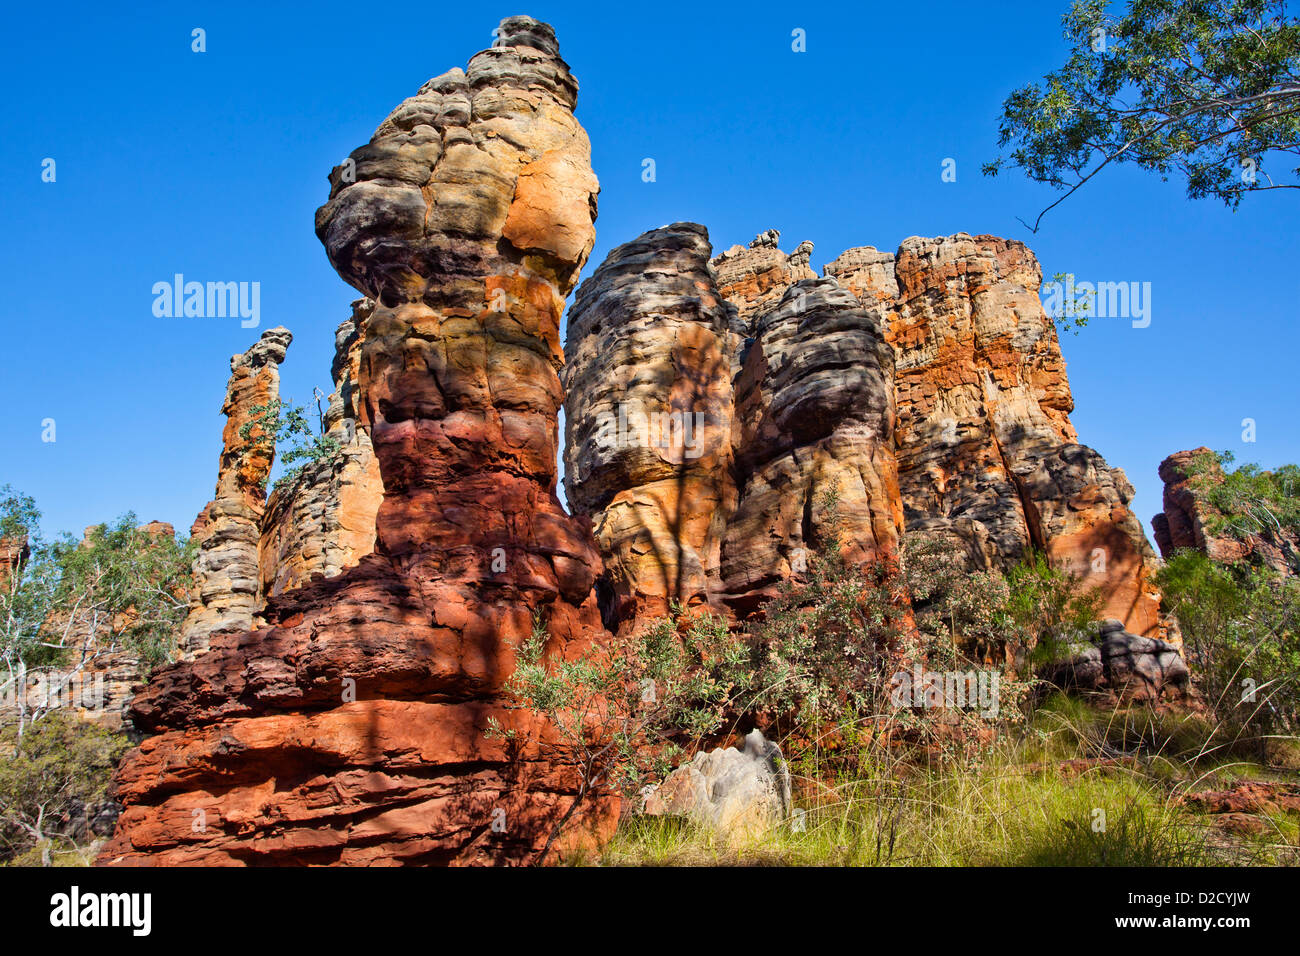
323	521
785	393
226	594
926	385
351	727
985	446
649	420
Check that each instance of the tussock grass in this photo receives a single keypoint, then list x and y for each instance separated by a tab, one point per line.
1078	786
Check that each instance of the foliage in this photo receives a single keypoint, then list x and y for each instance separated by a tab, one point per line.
828	643
74	601
284	426
1246	501
1241	633
47	776
1025	615
623	706
1209	89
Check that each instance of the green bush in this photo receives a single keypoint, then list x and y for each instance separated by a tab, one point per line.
48	773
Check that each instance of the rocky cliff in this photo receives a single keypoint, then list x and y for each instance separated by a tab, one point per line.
226	593
350	729
323	521
927	385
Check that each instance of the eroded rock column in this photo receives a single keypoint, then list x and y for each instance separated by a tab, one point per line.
350	730
649	419
226	592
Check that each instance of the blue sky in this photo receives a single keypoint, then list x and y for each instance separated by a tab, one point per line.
213	164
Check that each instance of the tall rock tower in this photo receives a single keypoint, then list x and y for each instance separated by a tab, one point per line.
350	730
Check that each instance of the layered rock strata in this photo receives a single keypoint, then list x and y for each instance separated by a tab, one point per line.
814	416
986	452
352	728
649	420
324	521
226	593
810	408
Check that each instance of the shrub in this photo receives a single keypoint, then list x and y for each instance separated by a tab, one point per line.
49	774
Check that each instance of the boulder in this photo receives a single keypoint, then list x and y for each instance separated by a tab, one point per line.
742	793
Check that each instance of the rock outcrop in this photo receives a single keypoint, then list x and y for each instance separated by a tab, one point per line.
985	448
323	521
1126	666
783	397
648	420
351	729
928	386
1186	520
226	593
814	412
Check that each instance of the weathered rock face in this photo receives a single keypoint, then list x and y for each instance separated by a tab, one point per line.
726	522
927	384
14	551
324	521
985	447
814	410
226	593
351	728
648	420
754	279
1183	522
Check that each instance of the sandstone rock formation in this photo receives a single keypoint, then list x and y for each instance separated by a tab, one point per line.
650	340
648	420
1183	523
351	729
985	448
755	278
814	411
14	551
324	521
226	592
1127	666
741	793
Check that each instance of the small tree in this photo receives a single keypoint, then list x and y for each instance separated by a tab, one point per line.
830	641
1208	89
283	426
1241	632
47	775
624	708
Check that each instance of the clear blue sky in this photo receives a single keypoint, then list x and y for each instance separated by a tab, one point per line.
212	165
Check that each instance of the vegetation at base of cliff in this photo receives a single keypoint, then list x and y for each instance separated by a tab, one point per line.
283	427
1044	797
1241	636
49	775
1045	779
1210	91
623	706
68	602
